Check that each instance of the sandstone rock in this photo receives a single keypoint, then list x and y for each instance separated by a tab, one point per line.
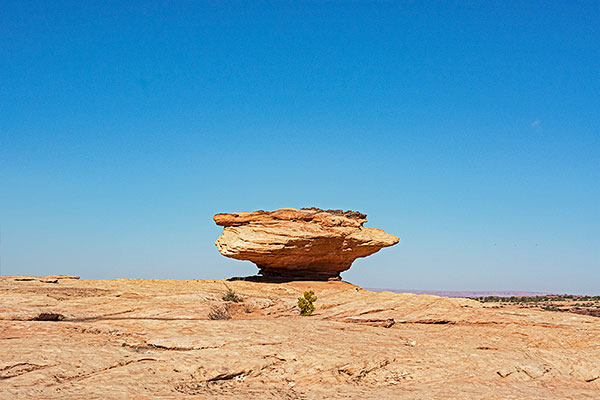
303	243
153	339
43	279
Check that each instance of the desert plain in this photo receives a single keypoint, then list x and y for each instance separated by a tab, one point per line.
143	339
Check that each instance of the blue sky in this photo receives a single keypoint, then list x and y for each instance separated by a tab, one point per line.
469	129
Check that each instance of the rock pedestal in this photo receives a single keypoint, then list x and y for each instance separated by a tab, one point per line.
308	243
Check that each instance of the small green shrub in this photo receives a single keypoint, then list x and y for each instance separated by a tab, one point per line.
551	308
305	303
230	295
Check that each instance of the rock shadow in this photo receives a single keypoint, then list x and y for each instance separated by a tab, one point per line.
283	279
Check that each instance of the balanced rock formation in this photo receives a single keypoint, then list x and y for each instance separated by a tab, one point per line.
307	243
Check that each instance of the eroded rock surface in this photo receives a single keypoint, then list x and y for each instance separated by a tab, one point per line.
147	339
307	243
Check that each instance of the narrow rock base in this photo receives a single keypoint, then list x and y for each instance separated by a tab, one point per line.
296	275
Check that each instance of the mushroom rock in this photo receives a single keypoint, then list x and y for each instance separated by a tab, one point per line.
307	243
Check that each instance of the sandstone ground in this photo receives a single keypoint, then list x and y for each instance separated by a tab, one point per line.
145	339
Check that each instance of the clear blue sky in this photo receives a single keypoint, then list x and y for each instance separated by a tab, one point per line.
469	129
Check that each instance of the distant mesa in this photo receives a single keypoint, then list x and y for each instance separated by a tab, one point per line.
299	244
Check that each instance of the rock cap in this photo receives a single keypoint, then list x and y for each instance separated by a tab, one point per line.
306	243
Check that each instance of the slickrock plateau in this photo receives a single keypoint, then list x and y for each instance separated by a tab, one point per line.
307	243
142	339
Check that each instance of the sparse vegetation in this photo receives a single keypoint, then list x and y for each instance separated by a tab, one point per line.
586	305
231	295
551	308
536	299
306	303
219	313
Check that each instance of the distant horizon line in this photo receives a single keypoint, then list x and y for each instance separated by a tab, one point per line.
477	293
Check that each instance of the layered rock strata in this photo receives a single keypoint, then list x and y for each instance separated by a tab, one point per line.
307	243
155	339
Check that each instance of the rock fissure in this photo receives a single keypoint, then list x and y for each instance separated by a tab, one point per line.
11	371
228	376
60	379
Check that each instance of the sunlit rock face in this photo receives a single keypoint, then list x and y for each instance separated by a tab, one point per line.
307	243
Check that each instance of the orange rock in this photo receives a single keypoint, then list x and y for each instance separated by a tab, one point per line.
300	243
154	339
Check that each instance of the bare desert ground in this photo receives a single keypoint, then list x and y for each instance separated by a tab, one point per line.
141	339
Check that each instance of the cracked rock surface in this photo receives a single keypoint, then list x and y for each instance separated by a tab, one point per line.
143	339
292	243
